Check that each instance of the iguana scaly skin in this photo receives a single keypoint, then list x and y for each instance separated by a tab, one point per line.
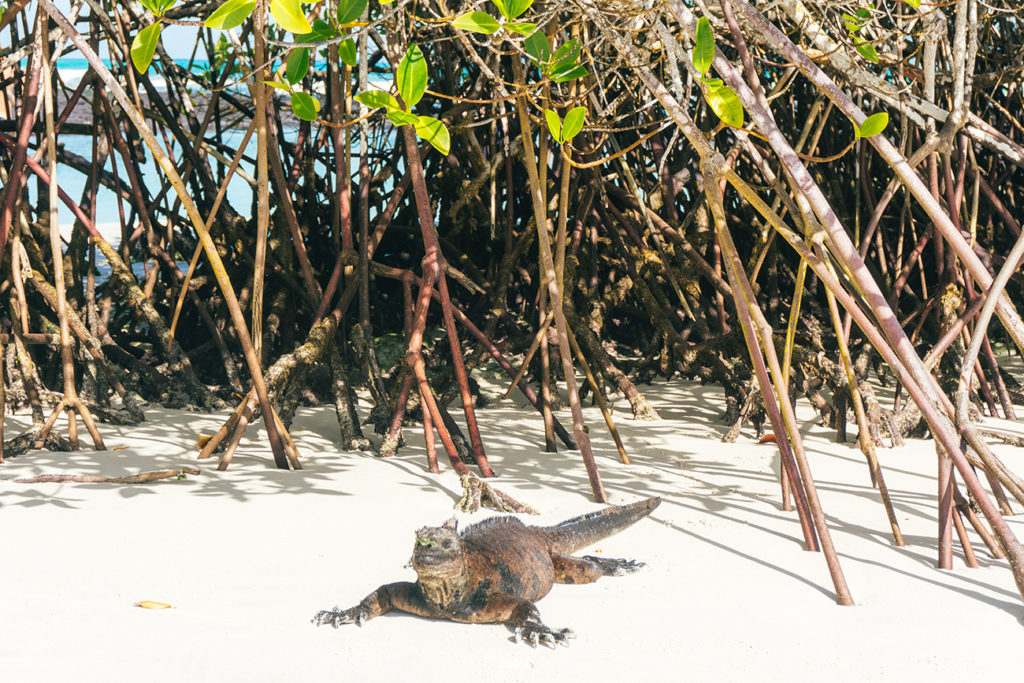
494	571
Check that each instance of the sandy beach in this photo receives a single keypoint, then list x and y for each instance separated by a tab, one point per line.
668	192
248	555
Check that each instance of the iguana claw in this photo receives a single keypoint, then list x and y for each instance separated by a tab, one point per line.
336	617
615	567
534	633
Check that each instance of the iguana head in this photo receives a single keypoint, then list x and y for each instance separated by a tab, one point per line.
438	553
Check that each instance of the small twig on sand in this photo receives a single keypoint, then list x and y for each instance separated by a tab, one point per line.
141	478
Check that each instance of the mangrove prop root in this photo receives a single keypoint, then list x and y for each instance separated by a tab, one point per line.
478	493
27	441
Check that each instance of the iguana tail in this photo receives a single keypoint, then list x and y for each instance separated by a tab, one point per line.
575	533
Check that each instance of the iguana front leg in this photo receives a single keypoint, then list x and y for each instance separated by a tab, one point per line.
587	569
527	626
520	615
403	596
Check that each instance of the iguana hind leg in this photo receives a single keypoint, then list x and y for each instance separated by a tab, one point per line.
404	596
587	569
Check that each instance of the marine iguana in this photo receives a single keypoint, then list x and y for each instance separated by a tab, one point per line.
494	571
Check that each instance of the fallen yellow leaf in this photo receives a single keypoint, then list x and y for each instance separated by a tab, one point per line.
203	440
119	448
151	604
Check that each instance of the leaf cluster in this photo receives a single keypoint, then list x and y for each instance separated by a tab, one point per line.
565	131
410	84
722	99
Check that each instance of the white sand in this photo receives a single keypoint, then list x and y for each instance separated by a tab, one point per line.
111	231
247	556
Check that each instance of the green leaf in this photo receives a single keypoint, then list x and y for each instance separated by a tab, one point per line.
144	45
712	82
402	118
376	98
412	76
564	64
477	22
537	46
570	51
289	15
867	51
159	7
852	23
347	51
305	106
554	124
517	7
873	125
350	10
571	74
523	28
500	4
278	85
573	123
434	132
726	104
321	31
913	3
703	46
297	66
156	7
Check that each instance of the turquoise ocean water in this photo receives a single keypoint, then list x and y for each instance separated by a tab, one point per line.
108	218
107	214
69	65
